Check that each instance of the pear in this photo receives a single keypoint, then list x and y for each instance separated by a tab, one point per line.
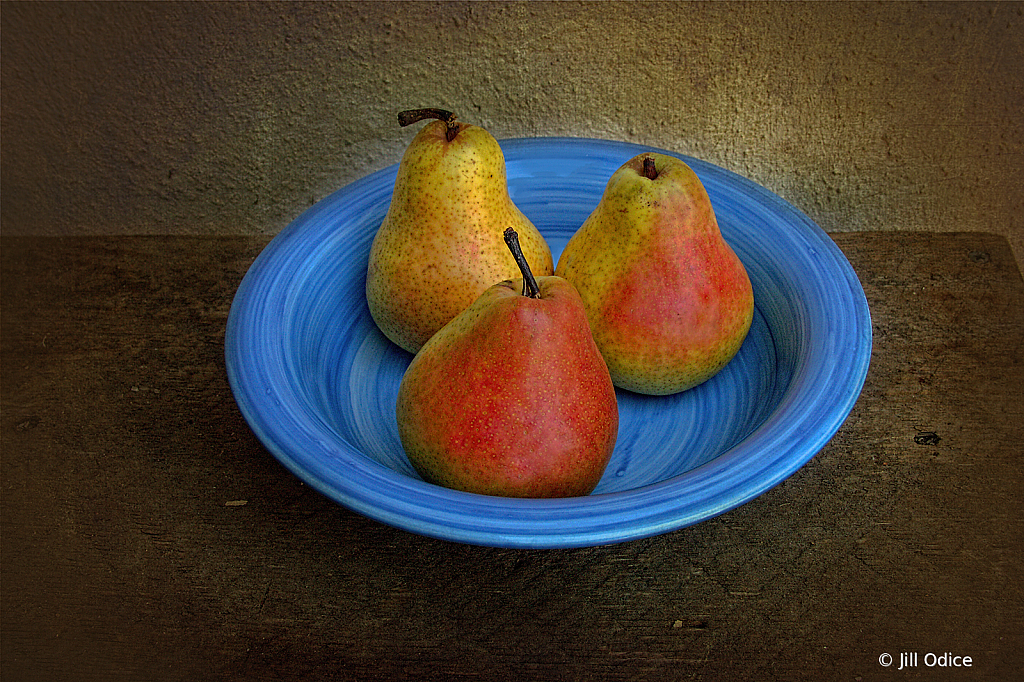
668	300
511	397
440	244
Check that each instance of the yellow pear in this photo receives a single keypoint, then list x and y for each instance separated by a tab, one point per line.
668	300
440	245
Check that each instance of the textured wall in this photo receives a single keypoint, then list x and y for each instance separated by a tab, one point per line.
213	118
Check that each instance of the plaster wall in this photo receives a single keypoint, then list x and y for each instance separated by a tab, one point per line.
232	118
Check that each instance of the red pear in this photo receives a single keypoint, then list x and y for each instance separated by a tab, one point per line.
668	300
512	397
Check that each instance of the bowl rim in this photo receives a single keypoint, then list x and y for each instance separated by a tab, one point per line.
703	492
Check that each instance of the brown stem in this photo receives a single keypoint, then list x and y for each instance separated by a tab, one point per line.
530	287
413	115
649	171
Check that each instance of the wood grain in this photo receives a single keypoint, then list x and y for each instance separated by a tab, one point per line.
147	535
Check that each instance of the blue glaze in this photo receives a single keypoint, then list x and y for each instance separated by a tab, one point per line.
317	381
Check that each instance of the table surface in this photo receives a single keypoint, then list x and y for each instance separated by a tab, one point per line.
147	534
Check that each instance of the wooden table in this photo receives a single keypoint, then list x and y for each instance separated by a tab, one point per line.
147	535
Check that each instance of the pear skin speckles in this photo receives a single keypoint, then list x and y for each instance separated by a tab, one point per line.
511	397
440	244
668	300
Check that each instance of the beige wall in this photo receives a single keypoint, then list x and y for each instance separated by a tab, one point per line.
230	118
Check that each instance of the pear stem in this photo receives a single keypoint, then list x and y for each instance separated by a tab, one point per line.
413	115
649	171
530	287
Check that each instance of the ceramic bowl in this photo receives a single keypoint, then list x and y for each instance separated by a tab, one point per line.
317	381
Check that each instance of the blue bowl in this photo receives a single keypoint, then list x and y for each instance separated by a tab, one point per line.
317	381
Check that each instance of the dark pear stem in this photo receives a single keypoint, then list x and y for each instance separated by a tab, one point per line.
530	287
649	171
413	115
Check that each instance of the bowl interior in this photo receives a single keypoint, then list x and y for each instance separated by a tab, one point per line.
318	381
